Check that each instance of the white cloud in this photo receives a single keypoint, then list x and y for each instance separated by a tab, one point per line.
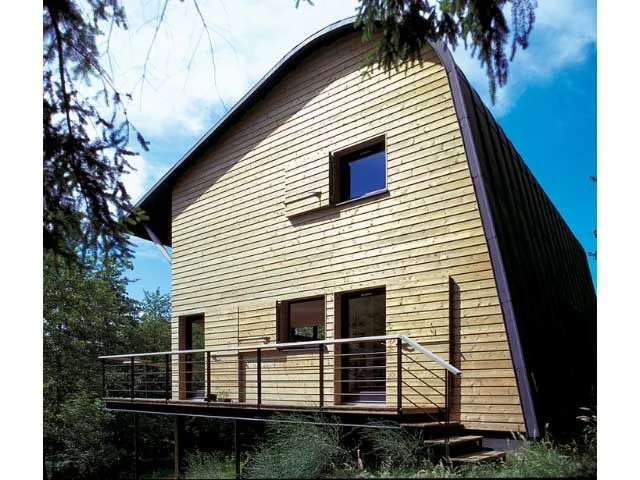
143	175
181	87
135	181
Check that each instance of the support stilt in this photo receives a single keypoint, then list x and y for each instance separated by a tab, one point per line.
178	434
135	446
236	446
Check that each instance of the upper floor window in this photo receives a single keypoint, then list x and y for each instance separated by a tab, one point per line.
301	320
359	171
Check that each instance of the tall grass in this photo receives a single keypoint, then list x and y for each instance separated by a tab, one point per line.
395	448
202	465
297	450
302	450
538	459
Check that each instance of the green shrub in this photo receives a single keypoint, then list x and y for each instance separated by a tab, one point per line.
296	450
395	448
538	459
202	465
79	439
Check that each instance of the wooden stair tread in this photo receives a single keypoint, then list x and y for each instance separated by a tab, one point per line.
456	440
428	424
476	457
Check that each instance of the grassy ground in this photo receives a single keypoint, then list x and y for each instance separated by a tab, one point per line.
307	451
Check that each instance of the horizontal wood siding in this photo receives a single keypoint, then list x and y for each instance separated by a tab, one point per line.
252	225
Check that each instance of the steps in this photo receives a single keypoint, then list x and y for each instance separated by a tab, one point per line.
477	457
441	442
453	445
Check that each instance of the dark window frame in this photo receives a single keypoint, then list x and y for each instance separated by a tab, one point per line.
351	154
284	330
191	365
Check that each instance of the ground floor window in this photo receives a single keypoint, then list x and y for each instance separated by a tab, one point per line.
301	320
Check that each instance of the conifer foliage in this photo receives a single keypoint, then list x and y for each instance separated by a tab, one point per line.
85	151
407	26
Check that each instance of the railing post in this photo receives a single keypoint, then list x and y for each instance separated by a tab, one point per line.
167	388
104	383
321	371
259	374
446	411
132	378
208	376
399	375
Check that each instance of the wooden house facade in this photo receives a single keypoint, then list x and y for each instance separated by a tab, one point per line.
330	205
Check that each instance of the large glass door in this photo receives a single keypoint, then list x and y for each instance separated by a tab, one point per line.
363	364
194	362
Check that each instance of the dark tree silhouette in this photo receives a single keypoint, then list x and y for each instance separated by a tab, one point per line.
85	152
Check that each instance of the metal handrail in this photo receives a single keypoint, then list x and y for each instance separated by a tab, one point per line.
202	384
230	349
430	354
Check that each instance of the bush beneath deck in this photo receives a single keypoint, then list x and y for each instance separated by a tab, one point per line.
297	450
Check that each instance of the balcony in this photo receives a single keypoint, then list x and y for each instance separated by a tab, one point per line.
386	375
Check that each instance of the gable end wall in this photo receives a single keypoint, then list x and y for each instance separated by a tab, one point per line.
239	246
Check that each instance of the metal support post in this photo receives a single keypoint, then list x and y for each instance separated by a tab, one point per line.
177	447
167	385
321	372
259	375
236	446
208	376
135	446
133	379
447	385
399	375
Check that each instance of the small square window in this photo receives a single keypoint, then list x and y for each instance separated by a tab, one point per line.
300	320
359	171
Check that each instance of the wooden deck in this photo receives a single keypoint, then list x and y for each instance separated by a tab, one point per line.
239	410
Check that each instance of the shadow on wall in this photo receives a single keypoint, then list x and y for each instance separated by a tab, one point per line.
455	356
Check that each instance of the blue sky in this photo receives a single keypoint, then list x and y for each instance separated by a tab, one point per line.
548	108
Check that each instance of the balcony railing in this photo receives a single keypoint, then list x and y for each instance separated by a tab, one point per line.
385	372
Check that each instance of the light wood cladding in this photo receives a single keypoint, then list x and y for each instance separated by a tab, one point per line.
252	225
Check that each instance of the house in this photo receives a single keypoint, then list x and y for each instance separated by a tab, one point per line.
351	243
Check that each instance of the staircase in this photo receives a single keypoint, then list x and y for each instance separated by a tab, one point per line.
452	444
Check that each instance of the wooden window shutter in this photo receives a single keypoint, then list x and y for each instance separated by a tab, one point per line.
333	179
282	327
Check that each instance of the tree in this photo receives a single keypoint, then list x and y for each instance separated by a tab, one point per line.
407	25
86	151
87	313
154	323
